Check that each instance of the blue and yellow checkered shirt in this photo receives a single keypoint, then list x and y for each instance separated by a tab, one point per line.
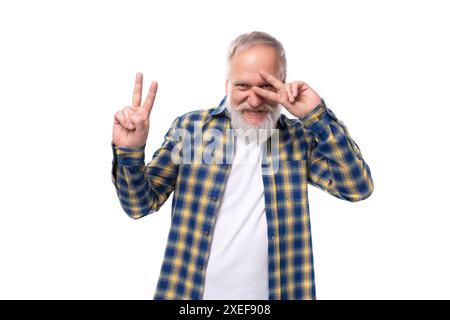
316	149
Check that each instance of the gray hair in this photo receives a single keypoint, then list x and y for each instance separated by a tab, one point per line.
248	40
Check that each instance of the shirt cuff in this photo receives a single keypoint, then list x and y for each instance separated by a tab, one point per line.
126	156
318	120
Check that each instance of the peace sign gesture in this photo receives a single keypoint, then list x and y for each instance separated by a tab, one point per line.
297	97
131	124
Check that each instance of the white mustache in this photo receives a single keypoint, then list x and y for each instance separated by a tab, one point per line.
239	122
245	106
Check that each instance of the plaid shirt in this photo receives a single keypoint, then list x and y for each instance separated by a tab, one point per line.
316	149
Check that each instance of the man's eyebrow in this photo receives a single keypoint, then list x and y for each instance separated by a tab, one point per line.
238	82
241	82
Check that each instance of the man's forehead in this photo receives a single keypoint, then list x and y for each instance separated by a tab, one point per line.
247	75
248	62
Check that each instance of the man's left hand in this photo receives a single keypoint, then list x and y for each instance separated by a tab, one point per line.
297	97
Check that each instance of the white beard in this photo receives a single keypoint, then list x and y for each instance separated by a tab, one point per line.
261	130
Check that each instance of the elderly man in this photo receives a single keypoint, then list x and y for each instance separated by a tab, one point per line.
240	225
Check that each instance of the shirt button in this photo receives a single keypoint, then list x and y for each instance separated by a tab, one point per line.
206	233
214	198
200	267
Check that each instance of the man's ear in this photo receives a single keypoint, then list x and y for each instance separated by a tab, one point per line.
226	86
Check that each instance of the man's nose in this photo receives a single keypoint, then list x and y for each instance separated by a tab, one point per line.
254	100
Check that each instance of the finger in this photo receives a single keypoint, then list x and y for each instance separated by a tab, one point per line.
302	86
278	84
121	119
284	96
275	97
148	103
137	120
126	111
290	95
137	93
294	88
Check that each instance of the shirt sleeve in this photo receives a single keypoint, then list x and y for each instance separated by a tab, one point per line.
143	189
335	162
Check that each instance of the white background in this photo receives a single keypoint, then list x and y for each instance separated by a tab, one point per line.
66	67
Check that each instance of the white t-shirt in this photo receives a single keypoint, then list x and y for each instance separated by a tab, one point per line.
238	262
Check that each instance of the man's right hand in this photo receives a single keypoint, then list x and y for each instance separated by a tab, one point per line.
131	124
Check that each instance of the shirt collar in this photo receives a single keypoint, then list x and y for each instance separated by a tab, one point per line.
220	109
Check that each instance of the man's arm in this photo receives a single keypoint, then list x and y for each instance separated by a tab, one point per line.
143	189
335	162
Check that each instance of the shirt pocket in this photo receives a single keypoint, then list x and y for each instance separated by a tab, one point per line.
291	183
198	183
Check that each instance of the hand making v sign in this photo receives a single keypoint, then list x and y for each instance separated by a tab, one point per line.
297	97
131	124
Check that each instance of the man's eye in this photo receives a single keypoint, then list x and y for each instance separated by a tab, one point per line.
242	86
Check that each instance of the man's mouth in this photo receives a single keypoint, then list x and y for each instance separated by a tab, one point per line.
255	114
256	111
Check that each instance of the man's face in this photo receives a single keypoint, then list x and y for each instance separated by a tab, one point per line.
244	75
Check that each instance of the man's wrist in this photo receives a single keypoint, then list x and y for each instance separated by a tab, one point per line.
128	156
124	148
309	109
314	114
